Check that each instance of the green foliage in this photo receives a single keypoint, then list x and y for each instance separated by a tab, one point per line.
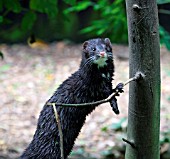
119	125
28	21
108	153
110	22
105	15
80	153
45	6
165	137
105	19
164	37
79	6
4	68
70	2
1	7
1	19
12	5
163	1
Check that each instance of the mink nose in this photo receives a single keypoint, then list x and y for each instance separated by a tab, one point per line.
102	53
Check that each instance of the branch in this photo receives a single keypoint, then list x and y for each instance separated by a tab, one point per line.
137	77
129	142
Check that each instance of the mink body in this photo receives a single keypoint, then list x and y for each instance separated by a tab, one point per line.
92	82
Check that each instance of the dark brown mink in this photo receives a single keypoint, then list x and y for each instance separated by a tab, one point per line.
92	82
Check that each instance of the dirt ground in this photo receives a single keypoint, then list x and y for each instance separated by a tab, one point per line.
28	77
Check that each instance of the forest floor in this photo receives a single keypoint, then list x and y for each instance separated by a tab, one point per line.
28	77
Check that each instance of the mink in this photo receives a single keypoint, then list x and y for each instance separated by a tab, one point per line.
92	82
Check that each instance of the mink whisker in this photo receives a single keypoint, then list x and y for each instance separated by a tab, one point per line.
89	61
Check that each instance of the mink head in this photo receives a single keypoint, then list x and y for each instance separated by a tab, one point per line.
97	52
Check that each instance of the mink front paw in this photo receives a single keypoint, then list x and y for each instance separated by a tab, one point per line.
119	88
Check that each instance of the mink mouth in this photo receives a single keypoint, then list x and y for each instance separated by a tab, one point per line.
100	61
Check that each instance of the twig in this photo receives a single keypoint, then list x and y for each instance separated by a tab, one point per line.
86	104
91	103
138	76
129	142
60	130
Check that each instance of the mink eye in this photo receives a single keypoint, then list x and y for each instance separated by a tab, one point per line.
93	49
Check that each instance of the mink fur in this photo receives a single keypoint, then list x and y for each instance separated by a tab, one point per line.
90	83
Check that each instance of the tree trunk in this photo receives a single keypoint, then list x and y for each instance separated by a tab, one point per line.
144	95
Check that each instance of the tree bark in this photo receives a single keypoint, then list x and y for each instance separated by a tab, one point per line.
144	95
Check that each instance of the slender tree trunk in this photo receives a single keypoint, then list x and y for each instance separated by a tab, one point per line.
144	95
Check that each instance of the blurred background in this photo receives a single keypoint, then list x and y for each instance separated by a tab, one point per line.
40	46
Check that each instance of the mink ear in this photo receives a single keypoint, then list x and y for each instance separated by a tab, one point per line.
85	44
107	42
